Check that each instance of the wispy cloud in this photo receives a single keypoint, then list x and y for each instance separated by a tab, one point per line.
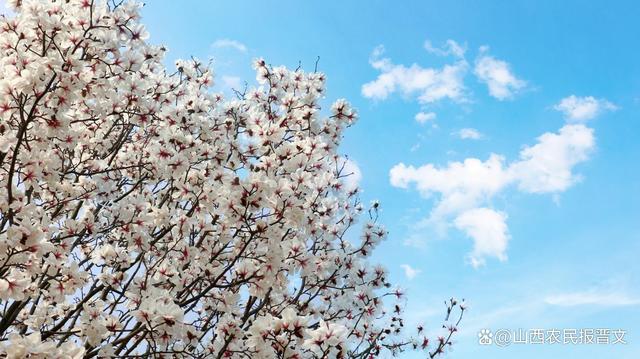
582	109
352	173
409	271
468	134
593	297
536	310
451	48
489	231
497	75
231	82
465	189
496	317
427	85
430	85
424	117
228	43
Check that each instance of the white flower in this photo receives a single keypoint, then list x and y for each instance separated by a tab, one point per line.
145	214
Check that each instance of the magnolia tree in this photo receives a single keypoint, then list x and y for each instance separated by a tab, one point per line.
142	215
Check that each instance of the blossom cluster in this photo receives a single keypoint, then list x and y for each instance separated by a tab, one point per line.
142	214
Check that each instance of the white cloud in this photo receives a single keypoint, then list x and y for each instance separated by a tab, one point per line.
546	166
423	117
428	85
451	48
591	298
4	8
468	134
228	43
409	271
465	189
232	82
352	173
489	232
497	75
461	185
581	109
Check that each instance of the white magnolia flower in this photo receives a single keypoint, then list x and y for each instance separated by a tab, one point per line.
142	214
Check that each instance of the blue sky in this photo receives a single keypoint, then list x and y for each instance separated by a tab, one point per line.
556	225
533	216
